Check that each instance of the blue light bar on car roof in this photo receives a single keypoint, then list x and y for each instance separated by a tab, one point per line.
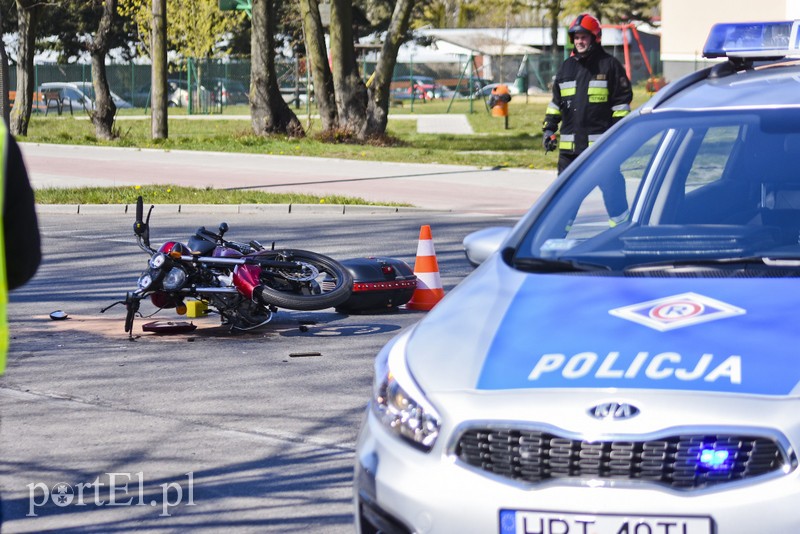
753	40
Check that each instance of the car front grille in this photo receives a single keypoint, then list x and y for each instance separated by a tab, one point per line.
684	462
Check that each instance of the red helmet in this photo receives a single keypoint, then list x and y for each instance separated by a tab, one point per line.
585	23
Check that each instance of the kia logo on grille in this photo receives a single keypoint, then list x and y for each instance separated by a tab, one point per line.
614	410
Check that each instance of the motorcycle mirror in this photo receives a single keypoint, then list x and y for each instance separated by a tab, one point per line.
223	227
58	315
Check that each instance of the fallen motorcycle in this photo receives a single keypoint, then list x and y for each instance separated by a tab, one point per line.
244	283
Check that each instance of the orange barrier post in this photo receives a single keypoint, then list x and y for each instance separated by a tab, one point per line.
429	285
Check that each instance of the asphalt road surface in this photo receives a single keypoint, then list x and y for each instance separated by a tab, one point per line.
206	431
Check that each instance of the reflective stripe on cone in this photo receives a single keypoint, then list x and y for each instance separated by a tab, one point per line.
429	289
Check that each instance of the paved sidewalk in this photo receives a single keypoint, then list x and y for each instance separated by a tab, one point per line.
455	123
455	188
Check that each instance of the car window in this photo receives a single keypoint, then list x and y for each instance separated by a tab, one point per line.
72	94
727	182
713	155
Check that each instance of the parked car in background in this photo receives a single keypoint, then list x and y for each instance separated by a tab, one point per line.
289	94
424	87
77	95
87	88
68	96
177	94
229	92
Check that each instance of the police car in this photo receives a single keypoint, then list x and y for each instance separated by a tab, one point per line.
628	360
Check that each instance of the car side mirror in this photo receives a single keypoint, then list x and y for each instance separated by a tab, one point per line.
479	245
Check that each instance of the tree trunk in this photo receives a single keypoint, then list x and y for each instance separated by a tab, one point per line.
104	109
317	55
269	114
5	101
351	93
384	71
554	11
27	22
158	86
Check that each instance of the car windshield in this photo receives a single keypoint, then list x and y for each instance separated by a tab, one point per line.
678	189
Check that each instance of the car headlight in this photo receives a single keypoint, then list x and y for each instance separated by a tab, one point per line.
175	279
399	403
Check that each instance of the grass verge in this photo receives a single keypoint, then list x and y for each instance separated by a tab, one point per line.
170	194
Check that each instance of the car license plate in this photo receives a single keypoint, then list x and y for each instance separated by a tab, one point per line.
544	522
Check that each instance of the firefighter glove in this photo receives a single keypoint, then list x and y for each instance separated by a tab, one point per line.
549	141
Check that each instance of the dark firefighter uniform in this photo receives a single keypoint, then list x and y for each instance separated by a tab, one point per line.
590	94
20	251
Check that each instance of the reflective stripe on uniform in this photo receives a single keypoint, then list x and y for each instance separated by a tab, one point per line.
594	137
598	91
3	282
567	142
620	111
619	219
568	88
552	109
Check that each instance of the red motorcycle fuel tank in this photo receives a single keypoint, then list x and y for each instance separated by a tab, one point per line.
246	279
169	246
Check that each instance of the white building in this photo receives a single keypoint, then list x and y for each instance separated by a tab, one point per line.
685	25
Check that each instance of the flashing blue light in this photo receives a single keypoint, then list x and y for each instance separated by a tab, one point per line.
753	39
712	459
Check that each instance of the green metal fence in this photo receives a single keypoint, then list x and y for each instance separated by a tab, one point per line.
217	84
214	84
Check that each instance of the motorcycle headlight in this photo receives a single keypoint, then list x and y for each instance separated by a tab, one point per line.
158	260
175	279
399	403
145	281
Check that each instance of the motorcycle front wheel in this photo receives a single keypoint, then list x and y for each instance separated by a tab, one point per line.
315	283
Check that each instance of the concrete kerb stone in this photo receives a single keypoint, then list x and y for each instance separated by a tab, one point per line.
59	209
208	208
266	209
101	209
315	209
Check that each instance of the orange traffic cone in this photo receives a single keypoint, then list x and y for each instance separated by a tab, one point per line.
429	285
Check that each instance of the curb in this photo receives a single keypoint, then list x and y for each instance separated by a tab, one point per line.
246	209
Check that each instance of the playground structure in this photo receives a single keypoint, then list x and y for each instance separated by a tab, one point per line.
654	83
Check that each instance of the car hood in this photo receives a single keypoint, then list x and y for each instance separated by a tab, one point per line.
502	329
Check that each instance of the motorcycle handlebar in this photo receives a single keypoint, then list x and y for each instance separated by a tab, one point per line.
139	226
139	209
142	228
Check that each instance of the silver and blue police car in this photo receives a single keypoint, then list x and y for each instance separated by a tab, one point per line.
628	360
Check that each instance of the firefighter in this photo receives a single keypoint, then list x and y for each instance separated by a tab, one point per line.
20	251
591	92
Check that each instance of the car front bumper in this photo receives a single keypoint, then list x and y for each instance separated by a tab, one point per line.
401	489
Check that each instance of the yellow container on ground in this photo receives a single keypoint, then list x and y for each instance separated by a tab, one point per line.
196	308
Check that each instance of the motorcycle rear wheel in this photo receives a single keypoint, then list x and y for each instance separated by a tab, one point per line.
337	288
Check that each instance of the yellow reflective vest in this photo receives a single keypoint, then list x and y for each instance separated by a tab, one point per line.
3	280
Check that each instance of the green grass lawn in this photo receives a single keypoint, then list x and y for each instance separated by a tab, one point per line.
170	194
492	144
